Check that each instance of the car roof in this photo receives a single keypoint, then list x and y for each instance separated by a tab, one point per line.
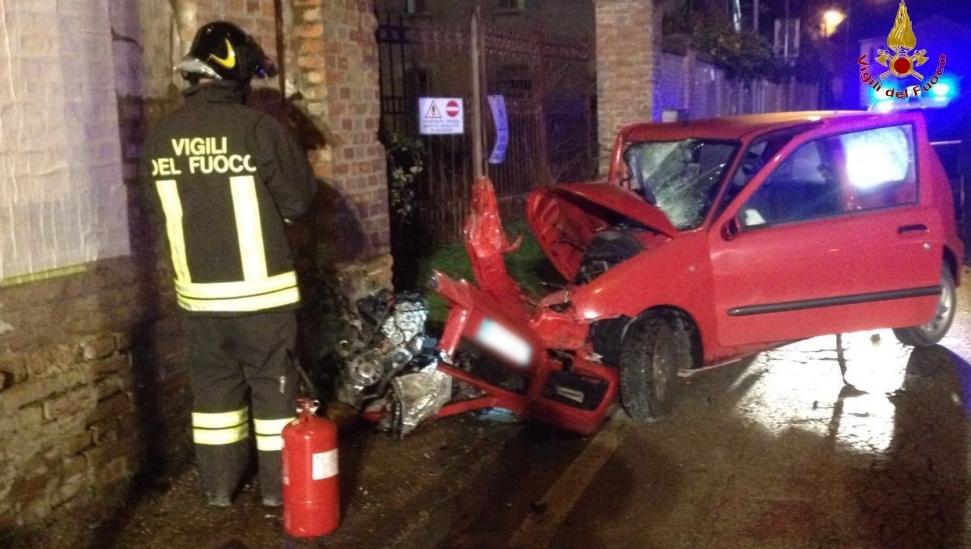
737	127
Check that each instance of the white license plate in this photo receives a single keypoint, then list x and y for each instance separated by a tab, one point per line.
502	341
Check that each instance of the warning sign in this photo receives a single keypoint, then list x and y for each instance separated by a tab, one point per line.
441	116
432	112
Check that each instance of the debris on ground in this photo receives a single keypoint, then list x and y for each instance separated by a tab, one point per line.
389	364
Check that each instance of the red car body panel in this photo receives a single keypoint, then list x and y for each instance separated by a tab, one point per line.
743	290
559	222
846	255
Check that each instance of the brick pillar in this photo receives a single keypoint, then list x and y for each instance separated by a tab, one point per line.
335	69
626	50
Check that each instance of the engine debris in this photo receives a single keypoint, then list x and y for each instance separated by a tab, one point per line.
389	364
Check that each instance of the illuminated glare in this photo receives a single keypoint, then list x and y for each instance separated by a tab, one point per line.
879	101
801	390
876	157
831	21
942	89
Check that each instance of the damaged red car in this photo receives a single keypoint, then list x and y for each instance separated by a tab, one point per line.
708	241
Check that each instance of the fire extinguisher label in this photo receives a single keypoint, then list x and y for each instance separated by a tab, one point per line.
324	465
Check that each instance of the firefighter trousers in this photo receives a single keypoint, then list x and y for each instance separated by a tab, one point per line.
241	369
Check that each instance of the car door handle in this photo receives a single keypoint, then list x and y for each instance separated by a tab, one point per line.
917	228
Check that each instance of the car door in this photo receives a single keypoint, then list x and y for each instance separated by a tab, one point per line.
831	236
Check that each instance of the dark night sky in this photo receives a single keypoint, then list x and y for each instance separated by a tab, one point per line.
875	17
869	17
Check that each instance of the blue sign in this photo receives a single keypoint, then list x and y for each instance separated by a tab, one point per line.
498	105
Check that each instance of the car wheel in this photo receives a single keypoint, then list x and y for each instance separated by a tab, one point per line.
653	350
932	332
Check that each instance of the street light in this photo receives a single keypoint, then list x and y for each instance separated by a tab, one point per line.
831	21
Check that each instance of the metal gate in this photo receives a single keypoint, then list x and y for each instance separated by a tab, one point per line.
549	89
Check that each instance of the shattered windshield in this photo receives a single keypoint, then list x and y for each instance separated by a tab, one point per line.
679	177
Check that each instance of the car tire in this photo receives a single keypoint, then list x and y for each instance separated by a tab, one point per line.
654	349
932	332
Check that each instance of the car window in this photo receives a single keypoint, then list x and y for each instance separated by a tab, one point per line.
845	173
679	177
759	153
881	168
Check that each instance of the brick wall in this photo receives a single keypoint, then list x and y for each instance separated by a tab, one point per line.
336	77
93	391
626	48
84	370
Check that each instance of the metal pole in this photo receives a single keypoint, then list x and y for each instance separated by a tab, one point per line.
755	16
281	52
479	169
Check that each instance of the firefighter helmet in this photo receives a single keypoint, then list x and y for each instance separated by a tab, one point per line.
223	51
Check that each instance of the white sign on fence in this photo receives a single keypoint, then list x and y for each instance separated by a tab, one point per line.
441	116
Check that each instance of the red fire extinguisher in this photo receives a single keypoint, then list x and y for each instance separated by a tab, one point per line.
311	498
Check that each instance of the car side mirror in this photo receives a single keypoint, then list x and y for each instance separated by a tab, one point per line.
731	228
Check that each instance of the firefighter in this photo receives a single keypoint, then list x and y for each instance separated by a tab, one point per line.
227	179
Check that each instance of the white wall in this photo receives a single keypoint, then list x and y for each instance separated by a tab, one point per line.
62	201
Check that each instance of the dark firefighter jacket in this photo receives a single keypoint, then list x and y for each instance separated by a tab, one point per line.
226	177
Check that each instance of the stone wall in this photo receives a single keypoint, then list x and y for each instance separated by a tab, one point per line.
702	90
93	392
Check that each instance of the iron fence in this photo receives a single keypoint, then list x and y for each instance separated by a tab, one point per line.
548	86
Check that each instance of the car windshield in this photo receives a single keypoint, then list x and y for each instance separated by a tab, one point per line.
679	177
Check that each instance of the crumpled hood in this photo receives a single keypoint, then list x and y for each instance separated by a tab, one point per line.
564	218
622	201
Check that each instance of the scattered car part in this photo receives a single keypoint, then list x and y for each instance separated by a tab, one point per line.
566	387
388	339
415	397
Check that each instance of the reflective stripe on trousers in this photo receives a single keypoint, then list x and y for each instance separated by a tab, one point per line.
220	428
268	433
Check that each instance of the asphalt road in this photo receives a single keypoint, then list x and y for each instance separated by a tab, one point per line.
775	451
